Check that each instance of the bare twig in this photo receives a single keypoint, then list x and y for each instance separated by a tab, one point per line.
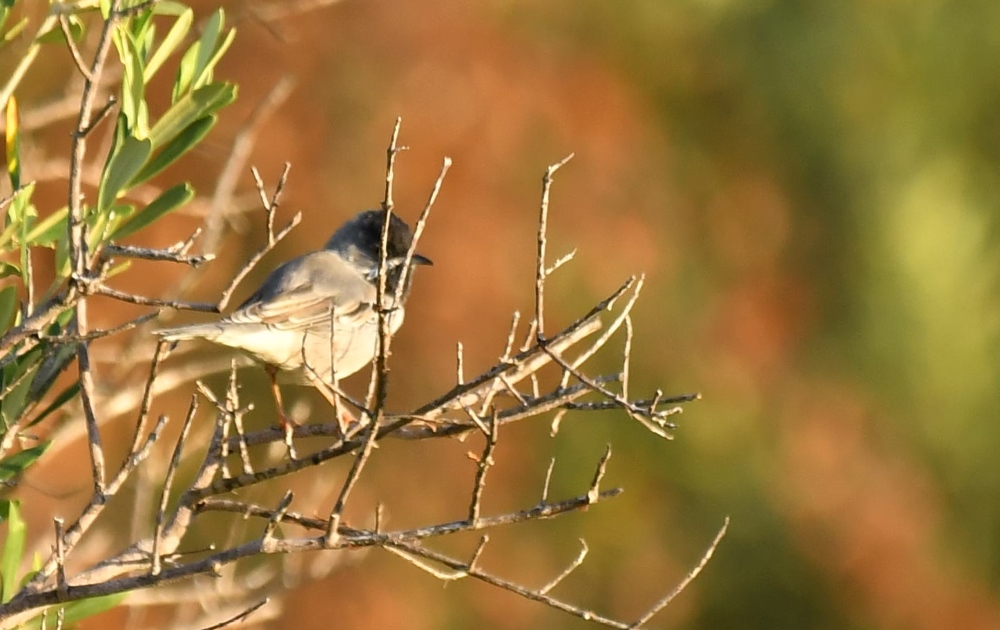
540	270
73	50
102	289
482	467
240	617
242	146
175	462
663	603
272	239
569	569
60	557
177	254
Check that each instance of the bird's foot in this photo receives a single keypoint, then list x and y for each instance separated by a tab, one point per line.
288	427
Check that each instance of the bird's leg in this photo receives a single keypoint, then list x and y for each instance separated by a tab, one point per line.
344	418
287	424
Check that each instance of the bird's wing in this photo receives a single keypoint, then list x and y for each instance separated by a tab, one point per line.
302	293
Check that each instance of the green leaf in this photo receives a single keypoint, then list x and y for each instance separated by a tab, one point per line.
142	26
133	104
122	166
17	381
5	7
55	34
15	30
195	69
13	546
47	231
77	611
62	257
86	608
120	213
210	49
64	397
8	269
24	215
8	305
55	361
174	149
173	39
20	209
168	200
200	103
12	136
16	464
169	7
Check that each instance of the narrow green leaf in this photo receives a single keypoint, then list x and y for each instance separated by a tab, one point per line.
185	73
207	72
168	200
15	401
119	214
15	30
173	39
206	45
62	257
169	7
174	149
121	167
12	137
8	305
47	231
141	25
133	103
8	269
200	103
55	361
15	464
13	547
24	214
98	228
64	397
55	34
5	7
211	49
86	608
79	610
20	208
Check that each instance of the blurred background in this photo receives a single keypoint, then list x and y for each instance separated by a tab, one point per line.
812	192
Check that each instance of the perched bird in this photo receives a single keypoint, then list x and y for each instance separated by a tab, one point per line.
317	314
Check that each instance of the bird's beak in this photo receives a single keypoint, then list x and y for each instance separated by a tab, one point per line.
421	260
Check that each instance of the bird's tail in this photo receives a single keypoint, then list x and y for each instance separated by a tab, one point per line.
191	331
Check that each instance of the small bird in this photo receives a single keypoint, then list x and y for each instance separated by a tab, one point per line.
316	314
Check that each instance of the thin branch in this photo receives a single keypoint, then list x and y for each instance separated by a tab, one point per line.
241	616
272	238
663	603
147	395
175	462
103	289
333	523
242	147
482	467
171	254
569	569
277	516
73	50
100	333
594	494
540	270
390	162
60	557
